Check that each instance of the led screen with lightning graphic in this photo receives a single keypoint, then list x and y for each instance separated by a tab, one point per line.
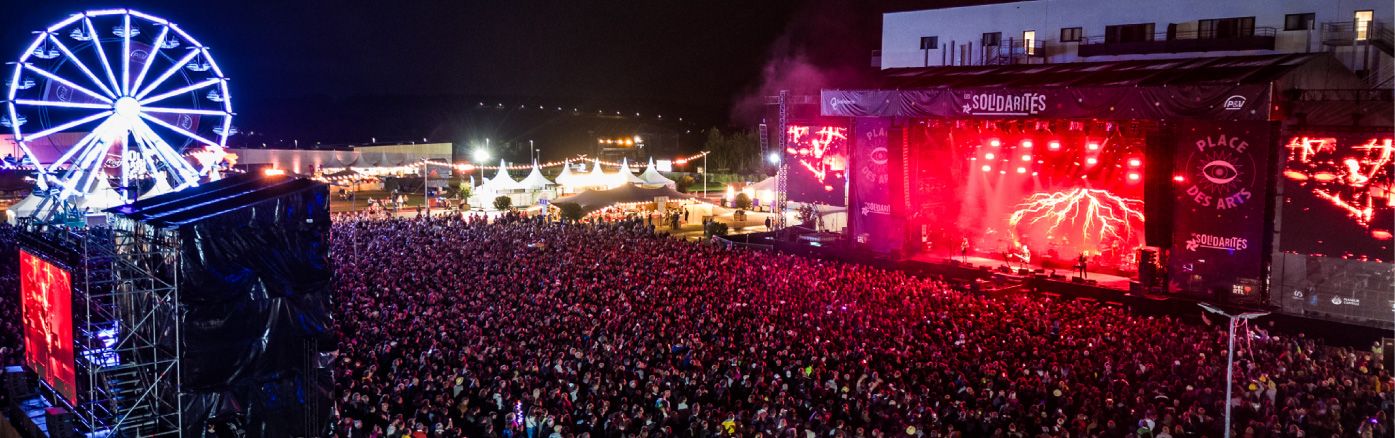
1049	191
1338	197
818	163
46	298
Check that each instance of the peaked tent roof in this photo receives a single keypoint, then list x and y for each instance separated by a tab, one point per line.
651	175
630	177
565	178
501	180
597	177
535	179
593	200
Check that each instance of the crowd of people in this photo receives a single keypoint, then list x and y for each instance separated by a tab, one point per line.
523	328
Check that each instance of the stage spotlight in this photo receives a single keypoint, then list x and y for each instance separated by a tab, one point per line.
1134	177
773	158
1092	161
1026	158
988	156
481	155
1034	174
1179	178
987	168
273	172
1026	143
1021	170
1055	145
1134	162
994	143
1092	146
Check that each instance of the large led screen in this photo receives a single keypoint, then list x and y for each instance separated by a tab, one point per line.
818	164
1337	196
46	299
1037	192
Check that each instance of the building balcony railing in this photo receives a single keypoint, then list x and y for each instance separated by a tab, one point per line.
1014	52
1179	42
1349	33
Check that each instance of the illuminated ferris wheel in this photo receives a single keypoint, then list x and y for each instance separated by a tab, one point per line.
138	91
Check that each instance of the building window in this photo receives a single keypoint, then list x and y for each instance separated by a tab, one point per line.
1299	21
1363	24
1128	33
1029	39
1070	34
1226	27
929	42
992	39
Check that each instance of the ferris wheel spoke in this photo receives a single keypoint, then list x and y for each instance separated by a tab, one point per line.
177	129
102	54
168	72
178	91
156	109
53	103
80	65
66	82
64	126
126	55
150	59
162	149
99	130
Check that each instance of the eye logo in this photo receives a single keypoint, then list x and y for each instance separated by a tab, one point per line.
1219	172
879	156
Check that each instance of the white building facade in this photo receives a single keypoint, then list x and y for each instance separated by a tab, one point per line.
1357	32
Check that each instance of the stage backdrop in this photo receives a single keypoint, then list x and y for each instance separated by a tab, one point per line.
1220	181
874	219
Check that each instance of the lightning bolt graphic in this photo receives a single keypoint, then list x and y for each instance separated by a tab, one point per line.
1101	216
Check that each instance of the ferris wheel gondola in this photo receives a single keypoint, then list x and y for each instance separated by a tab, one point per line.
137	98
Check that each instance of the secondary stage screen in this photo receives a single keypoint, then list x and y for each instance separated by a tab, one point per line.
817	156
46	300
1035	192
1337	196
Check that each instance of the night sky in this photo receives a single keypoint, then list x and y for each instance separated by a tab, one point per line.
345	71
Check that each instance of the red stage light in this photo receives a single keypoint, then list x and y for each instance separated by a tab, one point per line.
994	143
988	156
1034	174
1021	170
1026	158
987	168
1134	177
1092	146
1054	145
1092	161
1026	143
1134	162
1179	178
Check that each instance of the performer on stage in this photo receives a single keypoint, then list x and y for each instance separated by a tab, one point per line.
1080	264
964	250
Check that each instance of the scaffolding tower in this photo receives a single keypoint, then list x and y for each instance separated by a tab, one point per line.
125	324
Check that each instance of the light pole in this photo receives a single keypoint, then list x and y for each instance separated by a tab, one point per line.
704	174
532	150
1230	353
426	185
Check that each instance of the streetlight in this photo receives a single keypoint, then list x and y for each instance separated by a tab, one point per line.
481	156
1230	353
532	151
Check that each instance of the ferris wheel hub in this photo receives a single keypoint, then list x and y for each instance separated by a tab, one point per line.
127	107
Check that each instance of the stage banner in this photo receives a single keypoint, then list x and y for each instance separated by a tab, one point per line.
1220	184
872	184
1209	102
